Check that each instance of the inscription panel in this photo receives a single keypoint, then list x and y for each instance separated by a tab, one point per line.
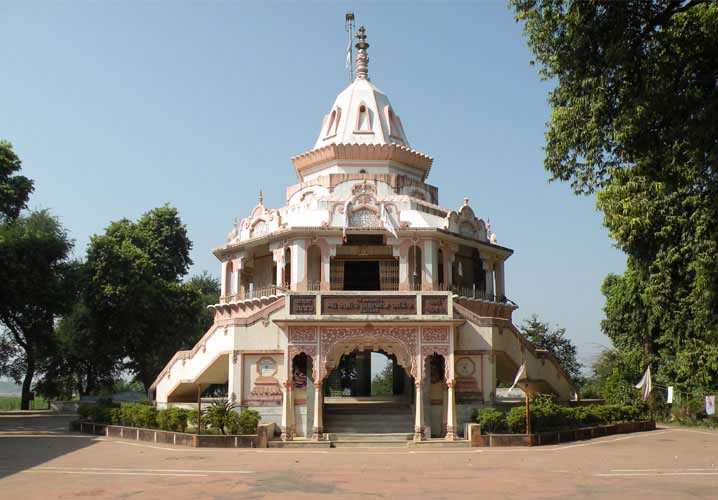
368	304
302	304
434	304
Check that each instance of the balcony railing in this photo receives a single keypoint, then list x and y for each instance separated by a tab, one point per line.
253	293
471	292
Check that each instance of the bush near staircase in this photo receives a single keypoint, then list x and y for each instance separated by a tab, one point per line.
547	415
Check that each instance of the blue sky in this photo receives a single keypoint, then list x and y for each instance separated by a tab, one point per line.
119	107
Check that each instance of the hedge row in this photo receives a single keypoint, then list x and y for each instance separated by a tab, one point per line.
547	415
172	419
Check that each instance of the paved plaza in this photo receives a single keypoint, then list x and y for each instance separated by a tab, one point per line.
39	459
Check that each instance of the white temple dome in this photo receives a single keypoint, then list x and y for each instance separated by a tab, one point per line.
361	114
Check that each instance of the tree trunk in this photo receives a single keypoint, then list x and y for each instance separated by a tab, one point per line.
27	382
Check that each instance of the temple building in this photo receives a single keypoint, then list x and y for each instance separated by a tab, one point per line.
361	259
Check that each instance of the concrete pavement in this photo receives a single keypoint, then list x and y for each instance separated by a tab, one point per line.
46	462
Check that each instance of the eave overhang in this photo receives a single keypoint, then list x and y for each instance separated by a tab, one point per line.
363	152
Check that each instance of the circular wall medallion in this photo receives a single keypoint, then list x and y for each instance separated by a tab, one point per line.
267	367
465	367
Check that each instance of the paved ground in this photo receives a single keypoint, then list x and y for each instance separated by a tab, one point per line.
38	459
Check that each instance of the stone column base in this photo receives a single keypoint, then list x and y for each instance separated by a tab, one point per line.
318	434
450	433
418	434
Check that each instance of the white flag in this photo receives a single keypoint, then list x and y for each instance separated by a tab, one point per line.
645	384
349	54
387	221
710	405
520	375
345	221
669	399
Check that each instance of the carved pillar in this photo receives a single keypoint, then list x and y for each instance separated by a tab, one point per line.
429	265
224	280
328	251
448	267
500	283
419	413
404	271
489	268
234	379
287	411
238	265
299	265
451	411
278	257
318	409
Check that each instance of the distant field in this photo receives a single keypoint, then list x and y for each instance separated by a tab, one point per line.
13	403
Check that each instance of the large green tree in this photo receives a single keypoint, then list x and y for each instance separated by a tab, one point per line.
36	286
555	341
14	189
635	119
136	293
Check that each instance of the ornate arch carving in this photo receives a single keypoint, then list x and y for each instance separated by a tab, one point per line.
401	342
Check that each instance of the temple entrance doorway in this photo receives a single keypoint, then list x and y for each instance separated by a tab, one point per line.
369	392
361	275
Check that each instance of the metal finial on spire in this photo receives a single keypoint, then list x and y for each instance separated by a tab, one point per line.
261	197
362	57
349	26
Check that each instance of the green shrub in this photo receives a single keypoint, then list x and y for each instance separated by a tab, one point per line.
138	415
217	414
516	420
231	423
173	419
491	420
100	412
248	421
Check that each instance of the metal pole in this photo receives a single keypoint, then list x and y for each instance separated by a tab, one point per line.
528	410
199	408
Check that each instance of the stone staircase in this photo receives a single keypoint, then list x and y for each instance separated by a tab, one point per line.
368	418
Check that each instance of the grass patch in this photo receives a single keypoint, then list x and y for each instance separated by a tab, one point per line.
13	403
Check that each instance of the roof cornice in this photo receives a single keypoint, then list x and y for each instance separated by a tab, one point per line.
372	152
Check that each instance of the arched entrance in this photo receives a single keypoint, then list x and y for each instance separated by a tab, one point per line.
349	407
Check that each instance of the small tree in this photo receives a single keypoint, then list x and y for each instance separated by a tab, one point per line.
555	341
36	282
383	382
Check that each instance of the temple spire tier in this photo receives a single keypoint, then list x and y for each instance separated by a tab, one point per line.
362	56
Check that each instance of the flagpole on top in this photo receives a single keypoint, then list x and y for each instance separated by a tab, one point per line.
349	26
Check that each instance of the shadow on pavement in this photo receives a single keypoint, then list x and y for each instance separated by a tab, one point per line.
28	441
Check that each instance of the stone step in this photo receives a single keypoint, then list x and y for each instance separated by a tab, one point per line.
299	443
368	418
433	443
360	436
369	443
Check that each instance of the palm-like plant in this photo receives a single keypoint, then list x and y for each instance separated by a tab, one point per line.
219	414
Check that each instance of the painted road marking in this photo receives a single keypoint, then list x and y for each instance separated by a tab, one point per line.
657	474
97	473
681	469
142	469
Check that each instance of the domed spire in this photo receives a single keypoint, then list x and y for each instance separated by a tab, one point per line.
362	57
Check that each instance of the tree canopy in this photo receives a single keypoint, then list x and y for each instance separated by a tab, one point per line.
37	284
14	189
634	118
555	341
136	292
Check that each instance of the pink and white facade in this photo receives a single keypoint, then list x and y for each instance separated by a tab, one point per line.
362	257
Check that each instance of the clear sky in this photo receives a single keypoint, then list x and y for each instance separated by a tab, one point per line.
119	107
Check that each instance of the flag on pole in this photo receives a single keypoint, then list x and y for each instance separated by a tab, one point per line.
669	399
645	384
345	221
387	221
520	375
349	54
